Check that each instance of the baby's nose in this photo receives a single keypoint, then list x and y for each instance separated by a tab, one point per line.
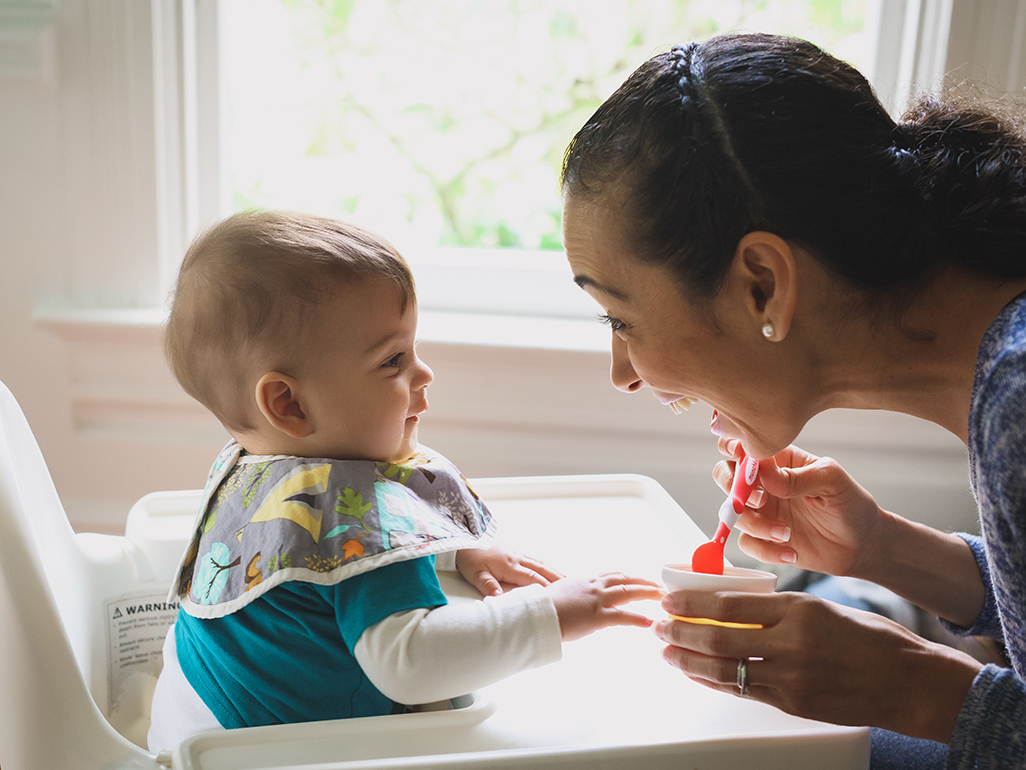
425	376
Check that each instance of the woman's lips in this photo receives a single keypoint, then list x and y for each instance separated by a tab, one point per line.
716	427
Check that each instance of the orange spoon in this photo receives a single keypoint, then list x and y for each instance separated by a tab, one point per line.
708	557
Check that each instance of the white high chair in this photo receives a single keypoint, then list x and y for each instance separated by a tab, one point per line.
81	623
54	670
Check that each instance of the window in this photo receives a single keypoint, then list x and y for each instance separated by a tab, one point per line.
444	122
227	103
441	124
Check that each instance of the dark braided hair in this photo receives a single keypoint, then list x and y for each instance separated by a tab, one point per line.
744	132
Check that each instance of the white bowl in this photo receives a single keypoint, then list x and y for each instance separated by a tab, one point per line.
680	577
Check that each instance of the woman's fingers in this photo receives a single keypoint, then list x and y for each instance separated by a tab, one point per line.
711	654
764	527
729	447
817	659
767	551
765	537
717	673
727	606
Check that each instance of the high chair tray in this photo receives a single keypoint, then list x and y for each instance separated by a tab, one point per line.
610	703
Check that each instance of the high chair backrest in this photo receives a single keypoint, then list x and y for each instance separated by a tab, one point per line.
53	647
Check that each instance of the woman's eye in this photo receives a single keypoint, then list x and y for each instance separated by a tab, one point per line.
393	362
613	323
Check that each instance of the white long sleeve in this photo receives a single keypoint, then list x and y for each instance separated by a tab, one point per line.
446	561
422	655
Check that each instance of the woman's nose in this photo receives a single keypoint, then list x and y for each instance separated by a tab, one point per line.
621	372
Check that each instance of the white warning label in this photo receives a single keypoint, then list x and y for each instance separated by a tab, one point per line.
136	627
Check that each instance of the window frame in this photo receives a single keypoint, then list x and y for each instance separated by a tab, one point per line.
174	175
912	46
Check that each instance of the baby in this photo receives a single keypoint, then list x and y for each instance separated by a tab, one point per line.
309	589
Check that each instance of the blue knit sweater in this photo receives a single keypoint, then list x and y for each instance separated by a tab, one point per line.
991	728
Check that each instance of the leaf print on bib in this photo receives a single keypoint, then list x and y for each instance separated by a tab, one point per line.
212	573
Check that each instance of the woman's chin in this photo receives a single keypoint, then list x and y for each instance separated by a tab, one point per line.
758	448
722	427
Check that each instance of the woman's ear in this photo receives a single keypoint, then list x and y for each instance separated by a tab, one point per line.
764	269
279	399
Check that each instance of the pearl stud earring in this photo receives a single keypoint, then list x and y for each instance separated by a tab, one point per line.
768	331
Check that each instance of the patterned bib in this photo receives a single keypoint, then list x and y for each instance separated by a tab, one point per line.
266	520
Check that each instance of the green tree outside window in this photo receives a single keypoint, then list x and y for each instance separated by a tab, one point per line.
443	122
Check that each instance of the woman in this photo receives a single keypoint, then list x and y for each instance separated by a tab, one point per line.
762	236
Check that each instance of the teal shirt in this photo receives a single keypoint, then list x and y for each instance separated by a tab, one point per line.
287	657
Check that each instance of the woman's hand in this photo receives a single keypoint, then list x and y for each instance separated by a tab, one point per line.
487	568
819	660
809	512
585	605
806	511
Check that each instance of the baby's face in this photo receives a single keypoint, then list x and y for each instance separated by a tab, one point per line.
366	389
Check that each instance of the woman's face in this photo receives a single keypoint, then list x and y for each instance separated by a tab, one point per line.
714	353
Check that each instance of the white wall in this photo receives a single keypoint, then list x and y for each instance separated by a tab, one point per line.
84	219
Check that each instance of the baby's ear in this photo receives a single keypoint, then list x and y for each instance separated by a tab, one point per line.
279	399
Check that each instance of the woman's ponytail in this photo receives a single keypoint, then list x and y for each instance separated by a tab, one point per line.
972	173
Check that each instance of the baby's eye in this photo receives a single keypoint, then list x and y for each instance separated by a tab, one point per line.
393	362
613	323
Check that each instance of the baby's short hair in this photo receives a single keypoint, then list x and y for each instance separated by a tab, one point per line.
245	293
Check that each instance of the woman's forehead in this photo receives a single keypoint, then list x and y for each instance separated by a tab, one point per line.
592	238
600	257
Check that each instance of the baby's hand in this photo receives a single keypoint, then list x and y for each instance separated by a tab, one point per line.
585	605
486	568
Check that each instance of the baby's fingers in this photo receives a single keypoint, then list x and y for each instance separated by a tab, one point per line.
622	589
624	618
521	576
527	571
486	584
541	569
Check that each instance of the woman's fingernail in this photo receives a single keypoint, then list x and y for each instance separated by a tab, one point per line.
789	557
780	533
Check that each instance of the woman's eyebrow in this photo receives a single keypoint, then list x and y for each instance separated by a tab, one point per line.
584	281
